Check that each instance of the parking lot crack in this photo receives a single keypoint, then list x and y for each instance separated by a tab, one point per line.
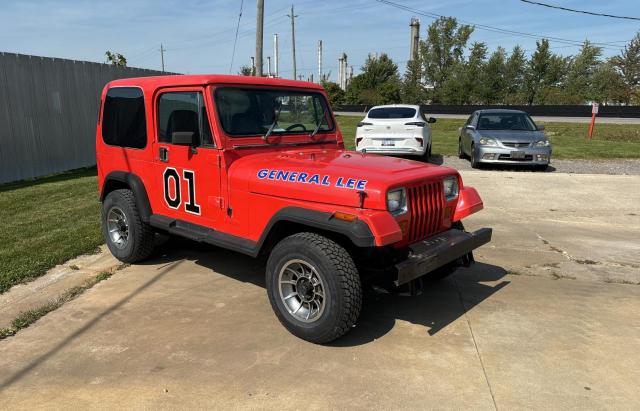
475	343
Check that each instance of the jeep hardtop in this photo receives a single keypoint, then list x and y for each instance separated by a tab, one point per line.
258	166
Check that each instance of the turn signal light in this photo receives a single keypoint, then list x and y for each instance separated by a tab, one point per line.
344	216
416	123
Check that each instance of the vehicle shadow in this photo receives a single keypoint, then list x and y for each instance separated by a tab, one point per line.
439	304
515	167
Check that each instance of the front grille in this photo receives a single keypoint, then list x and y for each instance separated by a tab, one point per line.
426	207
515	145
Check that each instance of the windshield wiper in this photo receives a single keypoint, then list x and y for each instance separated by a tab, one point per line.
324	117
273	125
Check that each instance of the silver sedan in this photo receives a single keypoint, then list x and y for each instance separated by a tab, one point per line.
504	137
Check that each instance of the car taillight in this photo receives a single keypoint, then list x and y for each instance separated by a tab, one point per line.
364	123
419	140
416	123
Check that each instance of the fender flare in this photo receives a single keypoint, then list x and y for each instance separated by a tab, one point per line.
357	231
137	186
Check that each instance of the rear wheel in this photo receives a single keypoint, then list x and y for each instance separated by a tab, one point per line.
314	287
427	154
129	239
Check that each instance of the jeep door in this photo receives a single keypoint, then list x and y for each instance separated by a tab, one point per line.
186	160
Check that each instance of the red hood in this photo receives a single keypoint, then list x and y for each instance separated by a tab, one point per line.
330	176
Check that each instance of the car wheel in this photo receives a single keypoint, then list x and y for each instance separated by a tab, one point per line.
313	287
128	238
473	157
460	150
427	154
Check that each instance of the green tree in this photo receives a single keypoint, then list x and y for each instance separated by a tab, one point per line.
544	75
378	83
464	84
412	89
246	71
578	86
493	84
441	51
514	74
335	93
115	59
628	65
607	84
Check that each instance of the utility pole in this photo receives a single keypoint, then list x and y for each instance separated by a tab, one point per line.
275	55
340	74
293	40
415	38
259	33
162	50
319	61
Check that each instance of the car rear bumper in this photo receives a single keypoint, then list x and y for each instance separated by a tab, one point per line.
393	150
500	155
434	252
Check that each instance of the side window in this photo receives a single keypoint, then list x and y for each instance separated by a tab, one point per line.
183	111
124	123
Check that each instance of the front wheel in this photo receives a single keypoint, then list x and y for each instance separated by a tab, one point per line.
313	287
461	154
128	237
473	158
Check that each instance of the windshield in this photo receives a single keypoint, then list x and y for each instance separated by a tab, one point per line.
392	112
506	121
253	111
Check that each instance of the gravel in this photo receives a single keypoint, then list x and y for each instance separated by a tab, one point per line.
619	166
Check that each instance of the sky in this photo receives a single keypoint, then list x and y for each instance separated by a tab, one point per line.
198	35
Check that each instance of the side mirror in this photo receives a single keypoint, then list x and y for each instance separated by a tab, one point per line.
431	120
470	127
541	127
182	138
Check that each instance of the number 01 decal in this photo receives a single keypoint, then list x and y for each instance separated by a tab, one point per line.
172	190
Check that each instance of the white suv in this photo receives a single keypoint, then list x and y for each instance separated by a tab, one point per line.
395	129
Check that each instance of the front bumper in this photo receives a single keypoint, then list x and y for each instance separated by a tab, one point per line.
502	155
434	252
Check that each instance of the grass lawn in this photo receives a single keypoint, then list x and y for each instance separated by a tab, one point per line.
567	139
47	222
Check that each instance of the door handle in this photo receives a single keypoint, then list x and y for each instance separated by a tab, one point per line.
164	154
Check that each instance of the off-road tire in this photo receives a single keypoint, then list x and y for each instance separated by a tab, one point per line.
140	240
341	283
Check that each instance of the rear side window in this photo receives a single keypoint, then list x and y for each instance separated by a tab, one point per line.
392	112
124	121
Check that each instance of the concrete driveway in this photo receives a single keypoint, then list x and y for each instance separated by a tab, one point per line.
531	325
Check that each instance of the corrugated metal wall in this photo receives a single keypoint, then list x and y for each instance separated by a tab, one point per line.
48	112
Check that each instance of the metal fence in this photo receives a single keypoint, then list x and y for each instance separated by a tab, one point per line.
48	112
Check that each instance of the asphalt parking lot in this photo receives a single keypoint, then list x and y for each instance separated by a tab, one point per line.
547	318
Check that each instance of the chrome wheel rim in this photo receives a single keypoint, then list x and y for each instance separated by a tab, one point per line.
301	290
118	227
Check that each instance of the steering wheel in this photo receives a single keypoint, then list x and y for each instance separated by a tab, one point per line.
296	125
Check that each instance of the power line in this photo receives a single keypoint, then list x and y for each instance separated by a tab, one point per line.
233	53
496	29
591	13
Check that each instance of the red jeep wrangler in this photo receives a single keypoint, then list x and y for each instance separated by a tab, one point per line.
258	166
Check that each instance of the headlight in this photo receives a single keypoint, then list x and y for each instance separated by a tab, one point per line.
484	141
397	201
450	185
542	143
